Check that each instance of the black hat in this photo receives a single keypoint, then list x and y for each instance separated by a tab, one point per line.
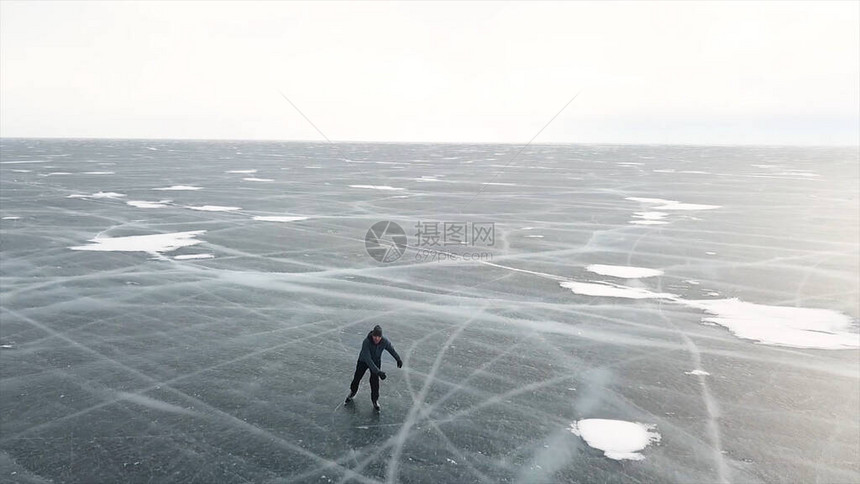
377	331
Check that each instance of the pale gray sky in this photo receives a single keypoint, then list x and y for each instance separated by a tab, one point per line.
648	72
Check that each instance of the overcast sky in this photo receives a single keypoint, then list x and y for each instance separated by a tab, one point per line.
676	72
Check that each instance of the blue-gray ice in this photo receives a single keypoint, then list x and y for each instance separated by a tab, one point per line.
175	311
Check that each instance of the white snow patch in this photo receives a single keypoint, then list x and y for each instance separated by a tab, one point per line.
772	325
179	187
647	200
99	195
500	184
99	173
672	204
376	187
214	208
11	218
625	272
194	256
534	236
241	171
279	219
618	439
145	204
697	373
143	243
22	171
612	290
254	179
781	325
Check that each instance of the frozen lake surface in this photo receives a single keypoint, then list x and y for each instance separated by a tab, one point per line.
178	311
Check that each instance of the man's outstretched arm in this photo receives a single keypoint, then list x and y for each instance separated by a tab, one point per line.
390	348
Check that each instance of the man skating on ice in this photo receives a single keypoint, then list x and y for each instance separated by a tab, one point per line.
371	358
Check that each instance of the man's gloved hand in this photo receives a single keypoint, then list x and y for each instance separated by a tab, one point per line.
382	375
399	363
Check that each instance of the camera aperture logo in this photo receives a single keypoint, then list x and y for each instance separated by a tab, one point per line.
385	241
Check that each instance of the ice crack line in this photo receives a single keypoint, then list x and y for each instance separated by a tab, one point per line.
415	410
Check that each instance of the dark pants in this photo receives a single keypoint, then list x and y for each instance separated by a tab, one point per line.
360	368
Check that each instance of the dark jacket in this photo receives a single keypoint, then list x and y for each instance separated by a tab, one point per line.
371	354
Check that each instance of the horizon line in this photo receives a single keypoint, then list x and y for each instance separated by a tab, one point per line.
546	143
